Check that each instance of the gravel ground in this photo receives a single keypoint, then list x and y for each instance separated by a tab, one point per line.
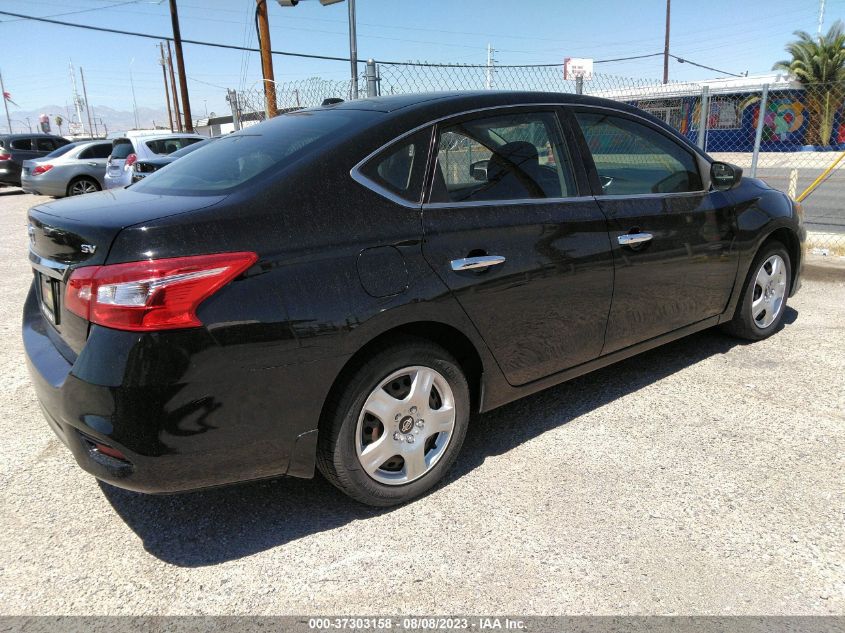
704	477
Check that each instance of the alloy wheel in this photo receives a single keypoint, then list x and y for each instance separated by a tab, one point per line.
81	187
769	291
405	425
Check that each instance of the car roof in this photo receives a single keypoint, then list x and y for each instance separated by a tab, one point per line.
32	135
156	137
467	99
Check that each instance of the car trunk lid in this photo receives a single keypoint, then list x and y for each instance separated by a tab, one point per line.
79	231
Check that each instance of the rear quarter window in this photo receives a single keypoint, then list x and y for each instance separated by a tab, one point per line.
400	169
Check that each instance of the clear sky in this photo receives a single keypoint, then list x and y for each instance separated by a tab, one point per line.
734	35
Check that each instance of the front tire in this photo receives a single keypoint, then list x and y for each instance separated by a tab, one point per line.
396	423
762	304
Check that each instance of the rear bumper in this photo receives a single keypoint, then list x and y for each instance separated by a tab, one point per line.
123	179
43	187
10	174
181	422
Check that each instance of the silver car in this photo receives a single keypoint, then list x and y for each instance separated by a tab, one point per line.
71	170
126	150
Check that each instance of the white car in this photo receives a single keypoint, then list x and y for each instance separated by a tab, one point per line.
131	147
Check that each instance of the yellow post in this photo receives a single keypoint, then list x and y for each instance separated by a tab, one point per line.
819	180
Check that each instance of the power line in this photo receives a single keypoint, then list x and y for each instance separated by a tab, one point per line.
150	36
336	58
108	6
716	70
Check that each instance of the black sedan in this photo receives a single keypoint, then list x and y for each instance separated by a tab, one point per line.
342	287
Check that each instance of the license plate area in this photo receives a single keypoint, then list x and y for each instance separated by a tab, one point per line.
48	294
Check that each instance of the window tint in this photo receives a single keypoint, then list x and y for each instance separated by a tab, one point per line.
44	145
22	143
64	149
238	158
401	167
165	146
121	149
190	148
632	158
100	150
509	157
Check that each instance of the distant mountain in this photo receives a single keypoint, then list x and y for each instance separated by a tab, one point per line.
113	120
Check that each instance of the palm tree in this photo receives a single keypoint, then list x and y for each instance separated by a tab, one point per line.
819	64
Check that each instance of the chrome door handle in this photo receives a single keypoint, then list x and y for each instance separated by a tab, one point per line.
92	164
476	263
629	239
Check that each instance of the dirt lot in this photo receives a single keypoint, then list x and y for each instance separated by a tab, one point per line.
705	477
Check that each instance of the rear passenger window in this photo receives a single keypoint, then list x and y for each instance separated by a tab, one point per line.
22	143
400	168
44	145
509	157
96	151
632	158
165	146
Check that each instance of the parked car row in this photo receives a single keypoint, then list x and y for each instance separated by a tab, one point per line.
51	165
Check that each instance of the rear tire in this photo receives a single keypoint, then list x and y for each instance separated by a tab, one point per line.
81	186
395	424
762	303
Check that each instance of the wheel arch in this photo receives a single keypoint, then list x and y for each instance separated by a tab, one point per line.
790	241
79	177
447	336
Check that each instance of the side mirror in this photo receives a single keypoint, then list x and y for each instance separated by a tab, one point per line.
478	170
725	176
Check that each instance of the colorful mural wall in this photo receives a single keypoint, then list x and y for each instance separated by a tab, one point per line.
732	121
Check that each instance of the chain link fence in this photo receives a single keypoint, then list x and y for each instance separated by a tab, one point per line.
796	145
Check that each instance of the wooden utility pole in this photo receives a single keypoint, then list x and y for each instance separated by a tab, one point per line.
176	115
266	58
163	62
180	62
666	46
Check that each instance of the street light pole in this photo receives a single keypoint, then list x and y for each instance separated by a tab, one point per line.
353	48
666	46
163	63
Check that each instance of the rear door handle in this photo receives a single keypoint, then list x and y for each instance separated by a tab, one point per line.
92	164
477	263
630	239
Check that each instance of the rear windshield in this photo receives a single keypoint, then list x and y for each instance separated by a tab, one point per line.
165	146
234	160
64	149
122	149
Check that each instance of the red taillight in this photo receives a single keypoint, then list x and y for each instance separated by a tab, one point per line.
5	156
130	160
161	294
41	169
110	451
